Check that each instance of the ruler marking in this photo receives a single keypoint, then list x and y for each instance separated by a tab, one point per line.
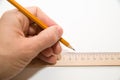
90	59
86	59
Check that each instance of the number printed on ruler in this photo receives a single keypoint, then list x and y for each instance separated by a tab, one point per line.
89	59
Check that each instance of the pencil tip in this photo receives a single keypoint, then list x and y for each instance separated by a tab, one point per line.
71	47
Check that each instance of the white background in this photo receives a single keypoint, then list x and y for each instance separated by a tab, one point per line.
89	25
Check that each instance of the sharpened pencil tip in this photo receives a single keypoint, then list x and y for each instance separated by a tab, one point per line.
71	47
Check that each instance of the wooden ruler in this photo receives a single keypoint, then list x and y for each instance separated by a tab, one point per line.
88	59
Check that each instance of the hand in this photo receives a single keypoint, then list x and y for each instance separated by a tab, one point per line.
20	41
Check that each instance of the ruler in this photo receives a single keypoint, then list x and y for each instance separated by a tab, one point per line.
87	59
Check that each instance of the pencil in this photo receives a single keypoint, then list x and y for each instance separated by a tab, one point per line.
36	20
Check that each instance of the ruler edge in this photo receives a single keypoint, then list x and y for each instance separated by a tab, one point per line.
44	64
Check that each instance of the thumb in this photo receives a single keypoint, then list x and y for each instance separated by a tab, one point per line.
45	38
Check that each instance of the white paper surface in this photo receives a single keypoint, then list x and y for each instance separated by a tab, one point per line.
89	25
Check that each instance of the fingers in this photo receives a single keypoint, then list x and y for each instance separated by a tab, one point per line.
41	15
57	48
44	40
50	36
51	55
48	52
54	50
34	29
52	59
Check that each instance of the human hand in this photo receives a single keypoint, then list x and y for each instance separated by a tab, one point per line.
20	41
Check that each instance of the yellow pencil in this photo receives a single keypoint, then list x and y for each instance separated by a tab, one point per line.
36	20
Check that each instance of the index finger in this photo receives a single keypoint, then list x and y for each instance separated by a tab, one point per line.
41	15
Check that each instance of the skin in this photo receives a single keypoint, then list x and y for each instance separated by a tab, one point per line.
21	41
